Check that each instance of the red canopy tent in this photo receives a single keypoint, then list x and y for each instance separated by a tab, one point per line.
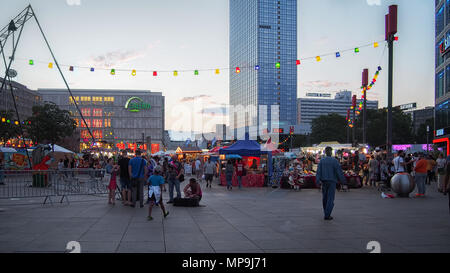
216	149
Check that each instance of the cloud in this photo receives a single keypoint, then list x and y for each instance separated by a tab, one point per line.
118	57
374	2
189	99
325	84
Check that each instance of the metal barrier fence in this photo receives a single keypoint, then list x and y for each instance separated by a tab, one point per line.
53	183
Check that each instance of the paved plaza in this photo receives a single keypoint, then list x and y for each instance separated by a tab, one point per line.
251	220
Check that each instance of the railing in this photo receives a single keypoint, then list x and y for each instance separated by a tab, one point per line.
52	183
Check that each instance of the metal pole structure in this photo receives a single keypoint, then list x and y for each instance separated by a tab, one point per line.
391	30
348	134
365	82
353	128
62	75
389	114
11	29
428	130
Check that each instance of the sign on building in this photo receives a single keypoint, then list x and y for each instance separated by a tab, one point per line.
408	106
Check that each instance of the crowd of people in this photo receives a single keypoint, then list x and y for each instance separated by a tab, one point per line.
153	175
375	169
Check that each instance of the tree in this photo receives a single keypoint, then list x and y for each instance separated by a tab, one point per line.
49	124
421	136
297	141
8	130
402	132
331	127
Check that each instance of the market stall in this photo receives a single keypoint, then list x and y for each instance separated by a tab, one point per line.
252	157
188	153
309	181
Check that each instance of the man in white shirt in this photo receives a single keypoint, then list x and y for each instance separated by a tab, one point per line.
399	162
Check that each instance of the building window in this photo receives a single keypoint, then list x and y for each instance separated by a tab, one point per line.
88	122
97	112
440	21
97	123
442	115
86	112
98	134
440	84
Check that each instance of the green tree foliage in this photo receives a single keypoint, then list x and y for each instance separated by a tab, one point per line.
8	130
402	132
421	136
297	141
49	124
331	127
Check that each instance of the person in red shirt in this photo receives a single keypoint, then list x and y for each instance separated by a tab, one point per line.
240	171
421	175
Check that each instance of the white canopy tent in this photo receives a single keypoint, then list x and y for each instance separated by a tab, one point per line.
7	150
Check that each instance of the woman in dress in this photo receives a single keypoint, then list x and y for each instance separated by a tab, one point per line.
373	170
113	170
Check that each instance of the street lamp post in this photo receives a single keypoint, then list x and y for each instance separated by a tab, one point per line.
391	30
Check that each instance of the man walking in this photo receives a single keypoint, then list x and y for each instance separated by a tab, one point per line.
209	172
239	172
198	169
329	172
137	171
125	178
421	175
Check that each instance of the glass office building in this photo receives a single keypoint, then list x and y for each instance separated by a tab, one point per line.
263	49
442	76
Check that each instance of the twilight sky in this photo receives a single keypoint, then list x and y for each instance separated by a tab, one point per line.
193	34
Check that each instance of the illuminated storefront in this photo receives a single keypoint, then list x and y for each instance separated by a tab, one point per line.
118	119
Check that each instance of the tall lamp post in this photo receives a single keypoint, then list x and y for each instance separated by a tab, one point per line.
365	82
390	31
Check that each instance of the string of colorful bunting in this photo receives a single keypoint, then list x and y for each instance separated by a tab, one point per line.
360	106
196	72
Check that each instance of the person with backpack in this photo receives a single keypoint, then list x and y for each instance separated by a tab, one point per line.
137	172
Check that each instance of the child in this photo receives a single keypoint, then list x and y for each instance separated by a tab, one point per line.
112	184
156	182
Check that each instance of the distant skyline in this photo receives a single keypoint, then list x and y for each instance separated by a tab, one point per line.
179	34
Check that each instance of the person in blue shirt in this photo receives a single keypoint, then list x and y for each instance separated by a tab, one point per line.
138	171
156	184
329	172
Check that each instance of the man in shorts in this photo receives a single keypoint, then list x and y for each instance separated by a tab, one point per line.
125	178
